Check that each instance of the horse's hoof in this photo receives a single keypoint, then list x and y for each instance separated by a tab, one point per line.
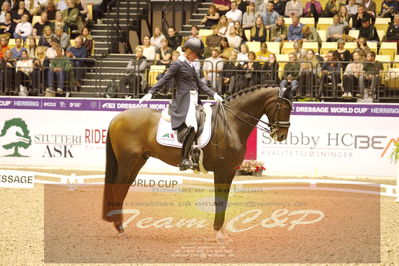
121	233
221	238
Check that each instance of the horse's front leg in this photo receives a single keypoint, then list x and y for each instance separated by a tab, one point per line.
223	180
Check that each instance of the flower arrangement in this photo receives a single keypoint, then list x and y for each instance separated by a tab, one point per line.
251	167
395	153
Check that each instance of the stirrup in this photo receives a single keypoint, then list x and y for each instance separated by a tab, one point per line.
185	164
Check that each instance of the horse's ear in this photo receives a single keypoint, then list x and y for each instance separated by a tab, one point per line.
286	93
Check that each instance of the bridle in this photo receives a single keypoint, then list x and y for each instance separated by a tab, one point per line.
274	124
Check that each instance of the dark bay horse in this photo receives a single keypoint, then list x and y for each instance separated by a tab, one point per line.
131	140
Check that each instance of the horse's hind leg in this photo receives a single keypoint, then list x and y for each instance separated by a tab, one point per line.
127	173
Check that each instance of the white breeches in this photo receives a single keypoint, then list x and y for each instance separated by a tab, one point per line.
191	120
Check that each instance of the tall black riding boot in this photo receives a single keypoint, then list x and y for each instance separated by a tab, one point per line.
187	144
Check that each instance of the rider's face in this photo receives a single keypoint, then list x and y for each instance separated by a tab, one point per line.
191	56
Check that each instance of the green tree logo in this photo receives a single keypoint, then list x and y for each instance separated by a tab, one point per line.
15	134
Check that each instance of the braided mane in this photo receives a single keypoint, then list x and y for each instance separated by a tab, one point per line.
244	91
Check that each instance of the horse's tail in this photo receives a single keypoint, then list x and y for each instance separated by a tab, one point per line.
111	170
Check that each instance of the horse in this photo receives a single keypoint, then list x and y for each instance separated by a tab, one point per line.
131	140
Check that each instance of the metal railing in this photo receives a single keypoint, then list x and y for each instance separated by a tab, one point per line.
225	77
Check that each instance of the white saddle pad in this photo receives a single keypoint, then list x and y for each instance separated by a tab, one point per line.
168	137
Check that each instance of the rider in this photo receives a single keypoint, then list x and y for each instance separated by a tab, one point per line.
188	83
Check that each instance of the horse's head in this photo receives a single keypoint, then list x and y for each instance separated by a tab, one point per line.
279	116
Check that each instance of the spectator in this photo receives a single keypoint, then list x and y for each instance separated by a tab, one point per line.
299	52
223	25
231	73
46	37
295	30
258	32
211	18
18	49
242	5
24	28
308	70
39	26
222	6
59	22
313	9
225	48
64	39
4	46
357	19
8	64
293	8
335	31
51	52
212	67
5	8
372	70
332	8
83	10
212	41
174	38
42	4
87	40
40	55
239	31
279	6
352	74
148	50
234	39
71	16
157	38
23	76
59	66
164	54
7	27
263	53
291	74
194	33
243	54
78	53
18	13
362	47
51	11
270	71
248	19
32	46
259	5
352	8
389	8
135	74
393	31
310	34
343	14
342	54
369	32
279	31
251	70
269	16
33	7
371	8
234	14
330	73
62	5
14	4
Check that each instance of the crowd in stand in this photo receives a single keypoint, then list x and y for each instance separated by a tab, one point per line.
35	43
265	21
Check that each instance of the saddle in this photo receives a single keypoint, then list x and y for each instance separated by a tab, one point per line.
199	114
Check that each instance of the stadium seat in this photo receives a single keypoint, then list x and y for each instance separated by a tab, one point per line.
204	33
324	23
287	47
384	58
382	23
35	19
90	8
350	46
328	46
254	46
273	47
391	78
388	48
372	46
307	21
381	34
354	33
396	62
288	21
323	35
155	70
247	34
11	43
311	45
72	42
281	58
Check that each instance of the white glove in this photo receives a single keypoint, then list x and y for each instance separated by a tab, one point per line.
217	98
146	97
